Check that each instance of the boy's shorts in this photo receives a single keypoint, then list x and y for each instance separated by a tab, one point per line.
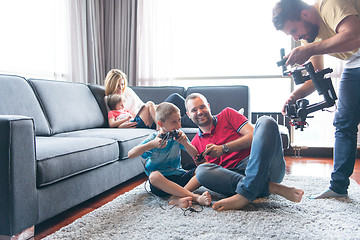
182	180
141	124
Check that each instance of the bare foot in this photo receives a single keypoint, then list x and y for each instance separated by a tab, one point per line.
204	199
231	203
290	193
184	202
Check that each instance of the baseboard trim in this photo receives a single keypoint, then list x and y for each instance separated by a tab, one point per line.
314	151
309	151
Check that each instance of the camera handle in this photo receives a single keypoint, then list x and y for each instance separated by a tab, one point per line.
322	85
282	62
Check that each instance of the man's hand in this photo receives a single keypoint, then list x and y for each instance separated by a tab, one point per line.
213	150
298	55
290	100
201	161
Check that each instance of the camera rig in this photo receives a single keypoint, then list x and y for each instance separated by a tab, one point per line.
299	111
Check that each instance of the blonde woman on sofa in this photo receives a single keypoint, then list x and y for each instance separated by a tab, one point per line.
116	83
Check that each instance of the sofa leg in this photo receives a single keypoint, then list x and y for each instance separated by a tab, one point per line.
26	234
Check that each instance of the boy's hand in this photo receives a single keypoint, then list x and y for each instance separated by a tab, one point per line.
182	138
158	142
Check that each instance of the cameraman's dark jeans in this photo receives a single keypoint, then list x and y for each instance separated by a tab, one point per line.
347	119
179	101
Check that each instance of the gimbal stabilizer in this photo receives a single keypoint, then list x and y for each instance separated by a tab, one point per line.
298	112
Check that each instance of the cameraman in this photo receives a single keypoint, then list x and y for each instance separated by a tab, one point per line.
328	27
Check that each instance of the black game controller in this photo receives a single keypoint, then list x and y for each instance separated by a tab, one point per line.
201	156
173	134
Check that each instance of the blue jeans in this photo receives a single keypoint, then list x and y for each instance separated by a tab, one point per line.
251	177
347	118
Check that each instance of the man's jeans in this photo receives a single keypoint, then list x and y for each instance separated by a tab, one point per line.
252	175
347	118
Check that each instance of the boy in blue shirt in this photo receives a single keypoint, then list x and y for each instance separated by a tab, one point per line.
163	162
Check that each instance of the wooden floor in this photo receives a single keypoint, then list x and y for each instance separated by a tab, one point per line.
304	166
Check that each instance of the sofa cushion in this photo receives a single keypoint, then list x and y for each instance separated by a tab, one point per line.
68	106
17	98
60	158
219	97
127	138
157	94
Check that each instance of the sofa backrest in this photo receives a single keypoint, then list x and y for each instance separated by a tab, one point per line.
18	98
157	94
219	97
68	106
99	93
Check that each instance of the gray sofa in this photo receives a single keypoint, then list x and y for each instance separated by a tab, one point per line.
57	151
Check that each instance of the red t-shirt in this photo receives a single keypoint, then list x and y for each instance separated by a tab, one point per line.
116	113
226	127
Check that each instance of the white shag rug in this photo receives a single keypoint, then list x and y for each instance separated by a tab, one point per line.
138	215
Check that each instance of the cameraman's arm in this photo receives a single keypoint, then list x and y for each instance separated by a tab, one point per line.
307	87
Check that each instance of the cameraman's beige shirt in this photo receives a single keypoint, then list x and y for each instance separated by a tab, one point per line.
332	13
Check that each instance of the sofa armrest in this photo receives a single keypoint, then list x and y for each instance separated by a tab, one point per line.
18	194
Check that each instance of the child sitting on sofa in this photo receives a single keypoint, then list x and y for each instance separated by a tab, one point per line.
163	160
118	114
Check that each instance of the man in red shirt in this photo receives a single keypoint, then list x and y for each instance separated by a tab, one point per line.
240	162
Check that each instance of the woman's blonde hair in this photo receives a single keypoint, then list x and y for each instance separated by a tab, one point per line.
112	80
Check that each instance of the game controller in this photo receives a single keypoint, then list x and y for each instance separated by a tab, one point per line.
173	134
201	156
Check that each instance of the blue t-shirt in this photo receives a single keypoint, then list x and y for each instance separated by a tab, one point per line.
166	160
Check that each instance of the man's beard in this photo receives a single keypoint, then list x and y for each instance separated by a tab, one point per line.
205	123
312	31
